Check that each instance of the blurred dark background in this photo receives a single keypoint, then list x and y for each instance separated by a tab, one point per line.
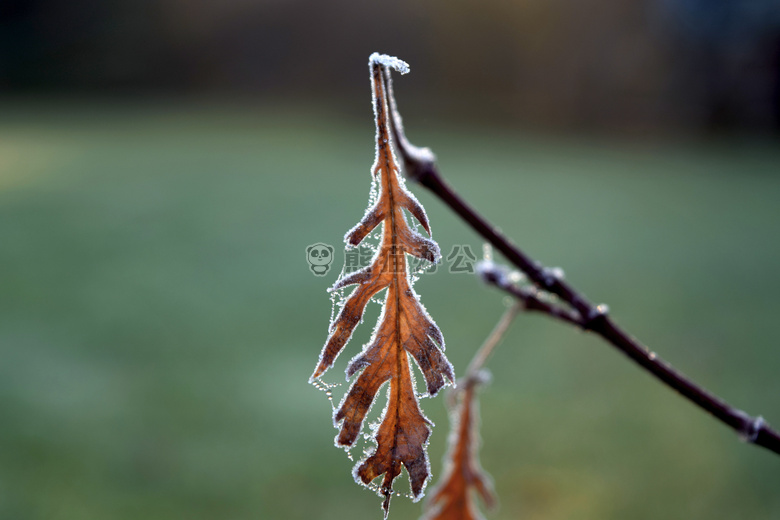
164	165
693	66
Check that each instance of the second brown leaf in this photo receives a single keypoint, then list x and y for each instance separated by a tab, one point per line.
452	499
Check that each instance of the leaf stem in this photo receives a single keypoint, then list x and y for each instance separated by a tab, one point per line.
491	342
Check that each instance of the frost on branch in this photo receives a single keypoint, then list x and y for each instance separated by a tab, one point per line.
404	327
388	62
452	499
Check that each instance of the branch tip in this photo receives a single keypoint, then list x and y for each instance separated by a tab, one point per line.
388	61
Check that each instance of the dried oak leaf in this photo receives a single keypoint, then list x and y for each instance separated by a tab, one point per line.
404	327
452	499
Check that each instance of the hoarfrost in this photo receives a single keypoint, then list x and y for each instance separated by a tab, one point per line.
552	275
516	277
487	252
322	386
389	61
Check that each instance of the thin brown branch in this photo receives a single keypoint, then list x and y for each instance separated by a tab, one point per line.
420	166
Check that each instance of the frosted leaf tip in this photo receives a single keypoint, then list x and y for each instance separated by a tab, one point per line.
389	61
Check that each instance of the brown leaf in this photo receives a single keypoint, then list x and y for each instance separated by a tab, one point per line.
404	327
452	499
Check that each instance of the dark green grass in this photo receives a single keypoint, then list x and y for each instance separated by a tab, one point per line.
158	321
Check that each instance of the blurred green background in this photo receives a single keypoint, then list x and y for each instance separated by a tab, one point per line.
165	164
159	320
